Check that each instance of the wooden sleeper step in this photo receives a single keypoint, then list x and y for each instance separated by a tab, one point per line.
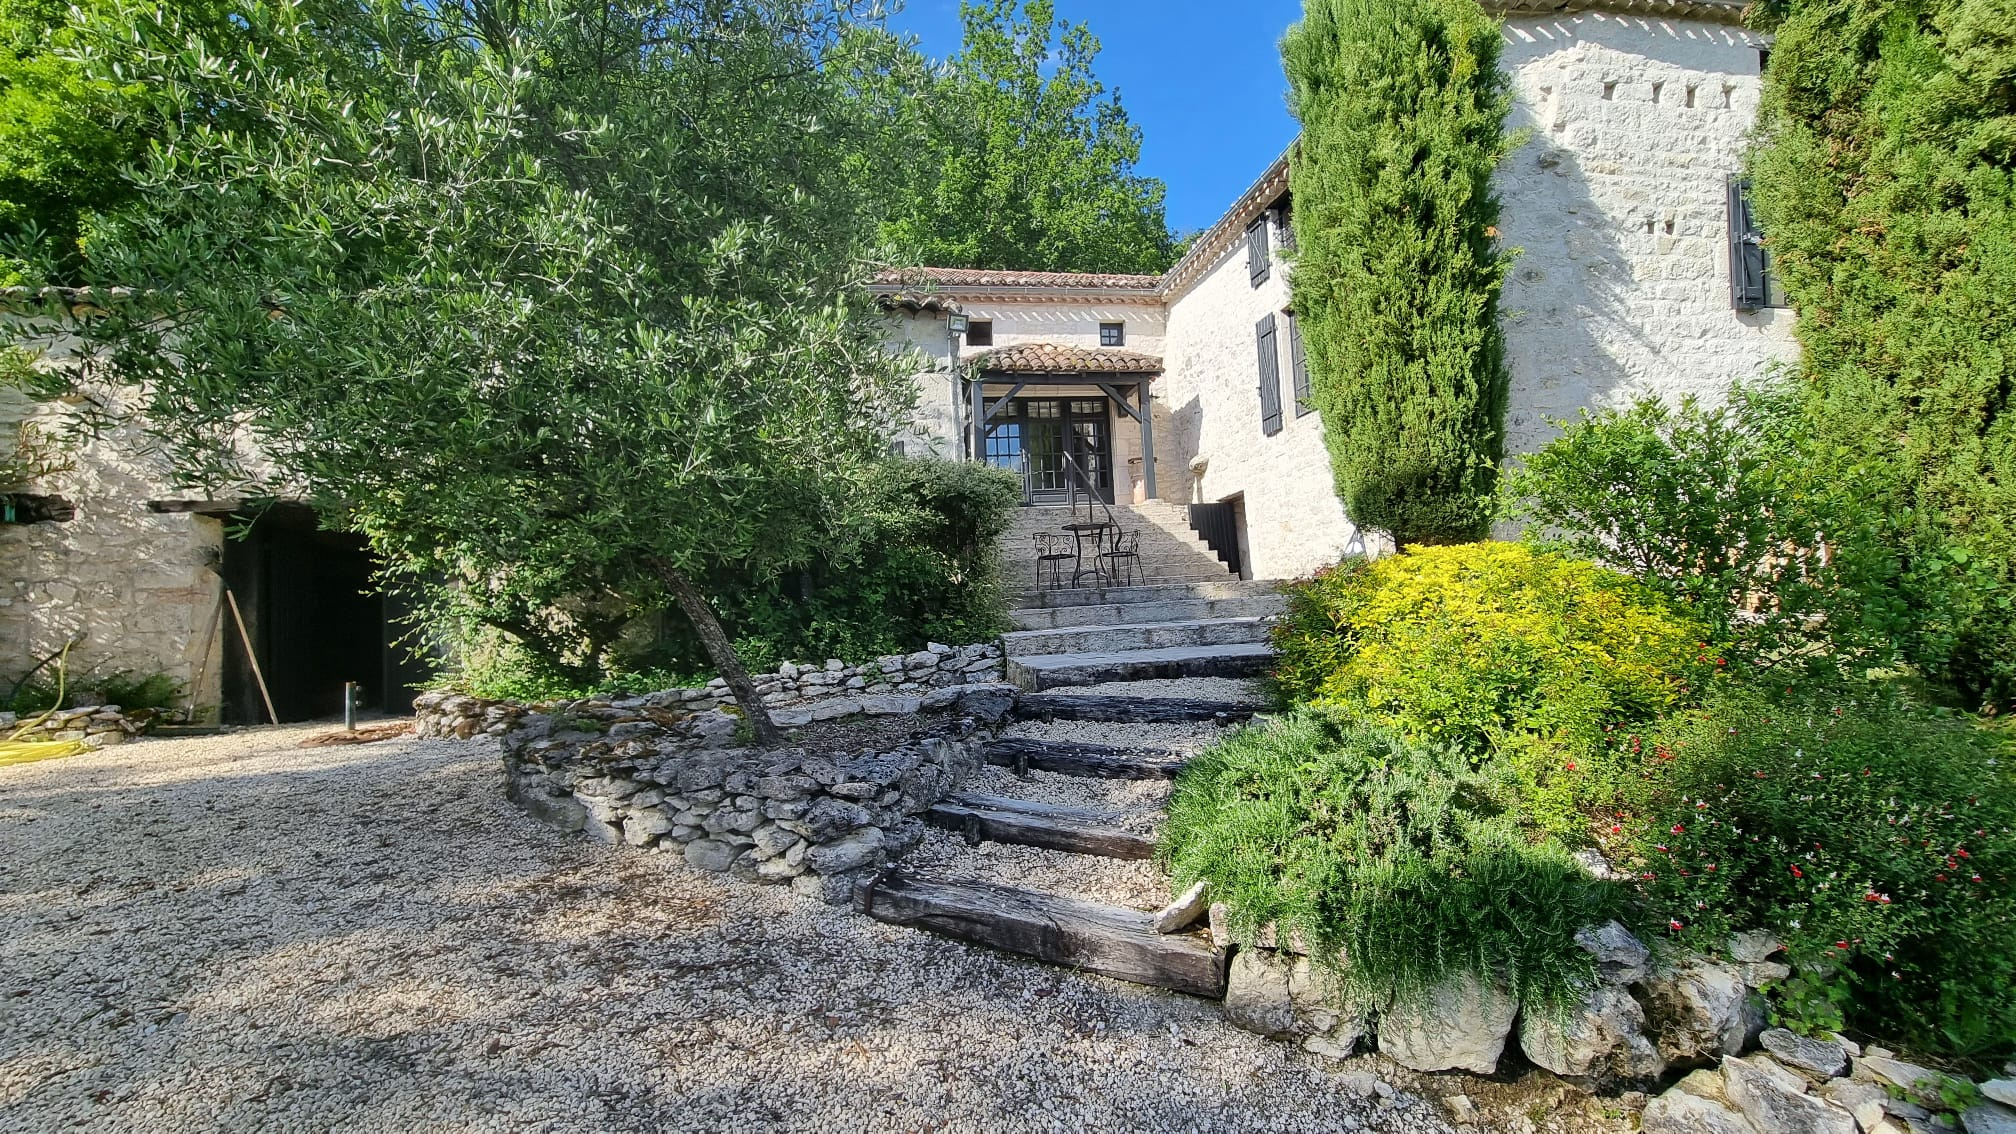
1099	938
1126	710
1028	823
1083	759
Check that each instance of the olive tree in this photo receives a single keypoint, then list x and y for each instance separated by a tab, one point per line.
546	289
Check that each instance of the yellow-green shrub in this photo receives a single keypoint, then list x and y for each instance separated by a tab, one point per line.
1495	647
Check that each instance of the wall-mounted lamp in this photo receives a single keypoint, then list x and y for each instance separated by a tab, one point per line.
956	324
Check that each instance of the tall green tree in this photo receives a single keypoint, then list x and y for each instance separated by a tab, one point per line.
66	134
1397	272
560	288
1886	184
1025	160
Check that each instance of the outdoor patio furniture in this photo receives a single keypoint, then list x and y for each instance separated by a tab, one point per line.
1052	549
1088	541
1120	563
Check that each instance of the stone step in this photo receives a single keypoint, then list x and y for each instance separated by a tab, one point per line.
1036	672
999	819
1136	613
1083	759
1112	940
1222	588
1034	706
1113	639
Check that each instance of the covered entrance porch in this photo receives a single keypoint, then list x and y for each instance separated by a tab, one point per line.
1059	417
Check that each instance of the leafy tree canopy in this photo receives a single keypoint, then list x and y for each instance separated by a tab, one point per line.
555	289
1026	161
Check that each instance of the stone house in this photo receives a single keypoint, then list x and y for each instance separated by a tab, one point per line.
1637	274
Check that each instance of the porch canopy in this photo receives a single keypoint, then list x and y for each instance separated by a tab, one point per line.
1123	375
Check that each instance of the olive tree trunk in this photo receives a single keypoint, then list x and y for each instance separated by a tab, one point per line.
721	652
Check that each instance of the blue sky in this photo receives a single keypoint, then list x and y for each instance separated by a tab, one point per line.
1201	78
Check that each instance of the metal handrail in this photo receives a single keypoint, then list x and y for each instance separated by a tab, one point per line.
1074	474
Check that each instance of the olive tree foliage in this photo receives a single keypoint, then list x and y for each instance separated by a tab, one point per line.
1397	274
548	297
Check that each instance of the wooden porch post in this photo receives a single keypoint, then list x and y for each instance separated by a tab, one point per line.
979	419
1147	415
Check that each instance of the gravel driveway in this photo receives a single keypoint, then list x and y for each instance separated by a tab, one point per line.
238	933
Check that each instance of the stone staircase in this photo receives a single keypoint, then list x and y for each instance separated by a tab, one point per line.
1170	551
1046	854
1085	636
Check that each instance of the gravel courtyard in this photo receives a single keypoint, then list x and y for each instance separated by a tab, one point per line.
237	933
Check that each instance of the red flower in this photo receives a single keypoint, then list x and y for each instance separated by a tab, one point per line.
1840	944
1678	829
1571	765
1962	852
1674	926
1711	868
1796	872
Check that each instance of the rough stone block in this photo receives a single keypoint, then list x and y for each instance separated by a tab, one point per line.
851	853
1603	1035
710	854
1462	1025
1677	1112
1775	1100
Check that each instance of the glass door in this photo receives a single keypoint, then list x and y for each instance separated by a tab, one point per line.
1045	430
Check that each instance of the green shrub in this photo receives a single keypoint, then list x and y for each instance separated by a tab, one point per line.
124	688
1495	648
909	556
1731	512
1879	841
913	558
1397	855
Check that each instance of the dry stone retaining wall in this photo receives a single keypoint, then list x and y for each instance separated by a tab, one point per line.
652	776
797	694
95	725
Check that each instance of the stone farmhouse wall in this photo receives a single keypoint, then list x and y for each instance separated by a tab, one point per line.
128	585
1208	408
1618	205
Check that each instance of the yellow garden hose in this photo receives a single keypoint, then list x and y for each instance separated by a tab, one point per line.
14	750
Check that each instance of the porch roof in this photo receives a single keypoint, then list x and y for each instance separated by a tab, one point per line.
1059	358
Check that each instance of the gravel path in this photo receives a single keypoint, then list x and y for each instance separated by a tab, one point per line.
238	934
1244	689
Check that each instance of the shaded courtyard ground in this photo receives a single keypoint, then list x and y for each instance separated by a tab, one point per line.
238	933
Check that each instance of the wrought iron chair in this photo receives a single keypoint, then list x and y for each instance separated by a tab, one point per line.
1121	562
1052	550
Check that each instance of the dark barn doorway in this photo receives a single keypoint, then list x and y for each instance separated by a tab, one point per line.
314	618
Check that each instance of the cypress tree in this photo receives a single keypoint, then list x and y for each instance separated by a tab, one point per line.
1886	187
1397	273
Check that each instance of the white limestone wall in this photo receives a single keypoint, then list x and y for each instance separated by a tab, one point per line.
1617	203
1069	321
931	430
1208	442
128	585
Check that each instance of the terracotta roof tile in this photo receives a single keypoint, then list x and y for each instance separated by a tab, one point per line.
981	277
1056	358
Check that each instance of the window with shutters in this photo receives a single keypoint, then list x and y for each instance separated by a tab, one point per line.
1284	223
1112	334
1270	378
1298	367
1258	260
1752	283
980	332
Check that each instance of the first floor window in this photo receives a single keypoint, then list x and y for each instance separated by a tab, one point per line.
980	332
1112	334
1270	378
1752	283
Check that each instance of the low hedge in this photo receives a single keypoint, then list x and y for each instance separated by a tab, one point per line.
1878	841
1397	855
1496	649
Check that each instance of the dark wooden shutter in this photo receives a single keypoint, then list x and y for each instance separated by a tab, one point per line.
1258	262
1270	379
1298	367
1749	283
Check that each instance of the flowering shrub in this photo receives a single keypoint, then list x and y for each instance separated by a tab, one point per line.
1495	648
1400	855
1880	843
